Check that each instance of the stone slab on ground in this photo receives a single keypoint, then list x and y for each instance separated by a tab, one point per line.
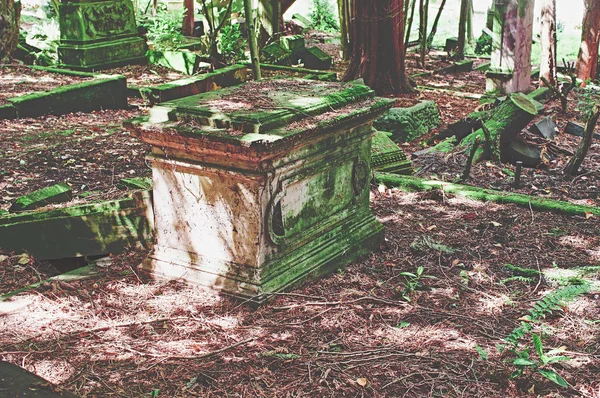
53	194
387	156
103	92
315	58
302	21
545	127
144	183
275	53
225	77
407	124
18	382
85	230
293	43
182	61
577	130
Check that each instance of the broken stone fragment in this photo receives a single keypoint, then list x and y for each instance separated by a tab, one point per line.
135	183
274	53
302	21
577	130
55	194
315	58
387	156
407	124
545	127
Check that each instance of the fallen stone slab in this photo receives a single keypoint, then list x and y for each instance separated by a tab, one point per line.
102	92
293	43
85	230
18	382
302	21
407	124
545	127
458	67
577	130
322	77
225	77
315	58
144	183
182	61
387	156
275	53
57	193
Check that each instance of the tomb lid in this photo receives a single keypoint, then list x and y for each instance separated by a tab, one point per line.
262	114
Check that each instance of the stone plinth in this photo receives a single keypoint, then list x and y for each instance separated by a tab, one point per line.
98	34
510	69
260	186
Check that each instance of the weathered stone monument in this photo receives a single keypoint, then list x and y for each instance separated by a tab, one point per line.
259	186
98	34
510	69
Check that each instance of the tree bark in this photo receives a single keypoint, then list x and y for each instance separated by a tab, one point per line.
435	24
10	13
377	47
423	14
252	40
462	28
548	42
408	25
587	61
575	162
188	18
344	15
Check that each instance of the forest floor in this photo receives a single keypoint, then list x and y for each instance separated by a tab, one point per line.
368	330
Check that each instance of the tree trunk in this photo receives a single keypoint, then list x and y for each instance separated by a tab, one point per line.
423	13
587	61
469	24
377	47
548	42
408	25
252	40
435	24
344	15
462	28
188	18
575	162
9	27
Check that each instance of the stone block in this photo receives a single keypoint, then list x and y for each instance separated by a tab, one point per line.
85	230
545	127
387	156
406	124
274	53
54	194
323	77
302	21
293	43
182	61
259	187
451	44
463	66
484	67
18	382
103	92
315	58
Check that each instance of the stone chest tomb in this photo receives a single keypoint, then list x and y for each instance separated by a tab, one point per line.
259	186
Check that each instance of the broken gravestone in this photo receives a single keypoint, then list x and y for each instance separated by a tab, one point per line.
55	194
18	382
577	130
387	156
406	124
260	186
315	58
275	53
295	45
545	127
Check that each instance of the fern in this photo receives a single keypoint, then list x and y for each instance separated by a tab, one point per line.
554	301
524	279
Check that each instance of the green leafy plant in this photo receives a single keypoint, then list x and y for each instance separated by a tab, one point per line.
588	96
164	29
413	282
323	17
524	361
232	44
483	45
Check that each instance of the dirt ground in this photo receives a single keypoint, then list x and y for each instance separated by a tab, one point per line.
368	330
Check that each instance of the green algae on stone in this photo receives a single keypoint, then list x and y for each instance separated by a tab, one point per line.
54	194
387	156
406	124
315	58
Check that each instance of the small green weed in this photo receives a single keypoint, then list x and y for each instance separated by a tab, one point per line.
540	364
413	282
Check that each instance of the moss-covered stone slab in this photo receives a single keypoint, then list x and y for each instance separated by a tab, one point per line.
225	77
294	43
386	156
302	21
322	77
85	230
183	61
406	124
315	58
458	67
99	34
275	53
144	183
261	186
103	92
18	382
57	193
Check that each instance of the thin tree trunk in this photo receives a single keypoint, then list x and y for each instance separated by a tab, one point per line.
548	42
377	46
252	40
470	21
575	162
423	13
587	61
435	24
462	25
409	23
343	12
